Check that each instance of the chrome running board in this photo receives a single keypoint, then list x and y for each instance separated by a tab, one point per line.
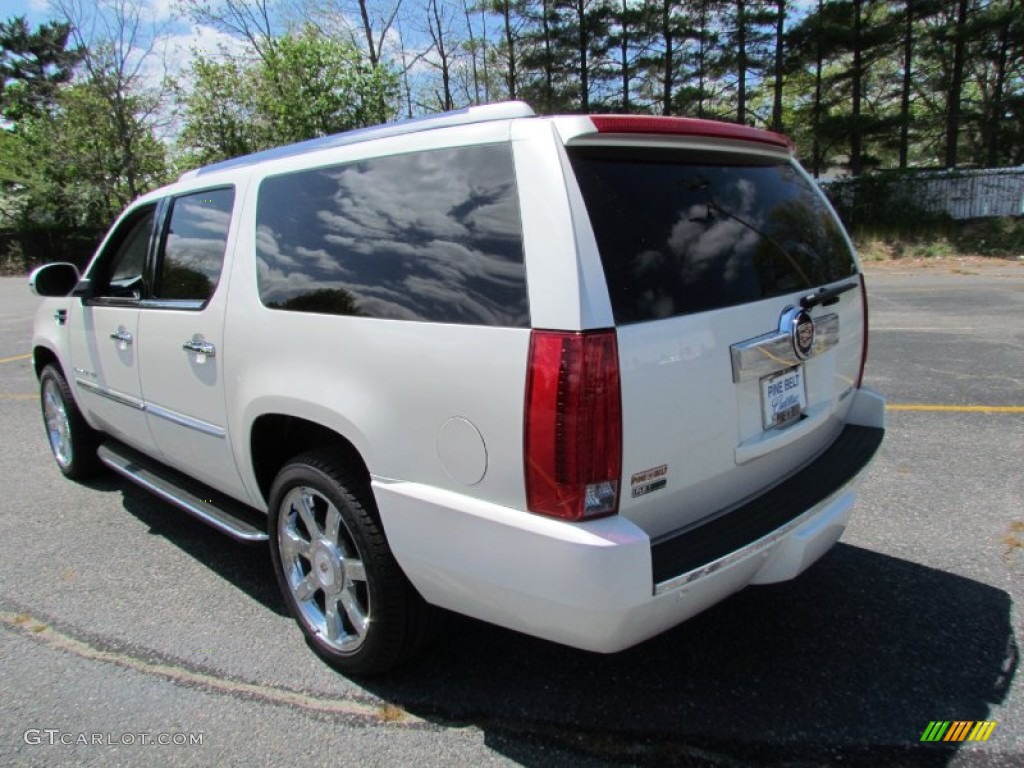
215	509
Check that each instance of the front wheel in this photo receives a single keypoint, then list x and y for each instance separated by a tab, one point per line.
72	441
336	571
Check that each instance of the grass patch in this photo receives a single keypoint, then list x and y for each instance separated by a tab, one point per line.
1014	539
389	713
1001	238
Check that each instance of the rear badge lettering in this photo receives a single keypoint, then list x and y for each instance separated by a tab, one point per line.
649	480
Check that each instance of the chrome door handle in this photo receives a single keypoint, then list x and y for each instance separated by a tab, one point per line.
200	347
122	337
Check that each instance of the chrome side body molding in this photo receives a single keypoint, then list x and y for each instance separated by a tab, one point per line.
140	405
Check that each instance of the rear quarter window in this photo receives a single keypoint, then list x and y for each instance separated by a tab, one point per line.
432	236
682	232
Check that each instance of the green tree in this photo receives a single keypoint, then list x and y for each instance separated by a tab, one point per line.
778	68
78	141
66	167
222	111
33	65
304	85
698	94
545	81
117	42
669	55
626	19
439	26
321	86
956	34
674	29
585	27
847	49
747	40
994	83
507	52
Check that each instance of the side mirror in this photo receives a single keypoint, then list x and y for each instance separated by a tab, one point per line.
54	279
83	289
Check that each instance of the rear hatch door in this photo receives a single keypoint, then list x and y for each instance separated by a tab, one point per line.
738	308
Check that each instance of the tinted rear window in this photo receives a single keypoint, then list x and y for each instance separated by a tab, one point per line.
680	232
431	236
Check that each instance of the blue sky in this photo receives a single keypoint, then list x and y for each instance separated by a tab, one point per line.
175	37
39	11
36	11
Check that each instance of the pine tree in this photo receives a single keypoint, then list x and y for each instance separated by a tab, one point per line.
33	64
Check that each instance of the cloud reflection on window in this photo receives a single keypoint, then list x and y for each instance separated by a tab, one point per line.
193	253
431	236
682	232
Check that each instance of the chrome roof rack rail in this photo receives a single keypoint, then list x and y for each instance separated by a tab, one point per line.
482	114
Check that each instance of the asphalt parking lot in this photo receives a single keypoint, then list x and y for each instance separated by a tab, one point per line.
124	619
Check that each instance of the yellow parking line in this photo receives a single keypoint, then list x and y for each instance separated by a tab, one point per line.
10	396
36	630
957	408
26	356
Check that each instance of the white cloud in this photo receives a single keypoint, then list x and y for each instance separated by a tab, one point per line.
176	50
172	55
158	10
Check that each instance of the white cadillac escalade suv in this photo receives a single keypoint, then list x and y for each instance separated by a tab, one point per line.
577	376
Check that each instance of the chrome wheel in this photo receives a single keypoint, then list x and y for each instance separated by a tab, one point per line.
72	442
58	426
336	571
323	569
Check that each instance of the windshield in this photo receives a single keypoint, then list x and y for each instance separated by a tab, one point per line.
682	232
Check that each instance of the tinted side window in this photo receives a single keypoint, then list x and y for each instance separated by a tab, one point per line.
431	236
194	245
681	232
121	270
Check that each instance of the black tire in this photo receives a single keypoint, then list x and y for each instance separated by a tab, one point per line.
72	441
378	619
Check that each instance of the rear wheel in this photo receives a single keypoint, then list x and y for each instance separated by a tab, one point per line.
72	441
336	571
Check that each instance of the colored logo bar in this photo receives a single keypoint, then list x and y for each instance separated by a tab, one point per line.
958	730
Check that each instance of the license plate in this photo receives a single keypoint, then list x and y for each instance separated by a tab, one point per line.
783	397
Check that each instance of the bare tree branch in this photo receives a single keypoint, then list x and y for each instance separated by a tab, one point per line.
438	25
252	20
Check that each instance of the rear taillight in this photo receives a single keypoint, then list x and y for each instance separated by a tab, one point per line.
572	440
864	342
